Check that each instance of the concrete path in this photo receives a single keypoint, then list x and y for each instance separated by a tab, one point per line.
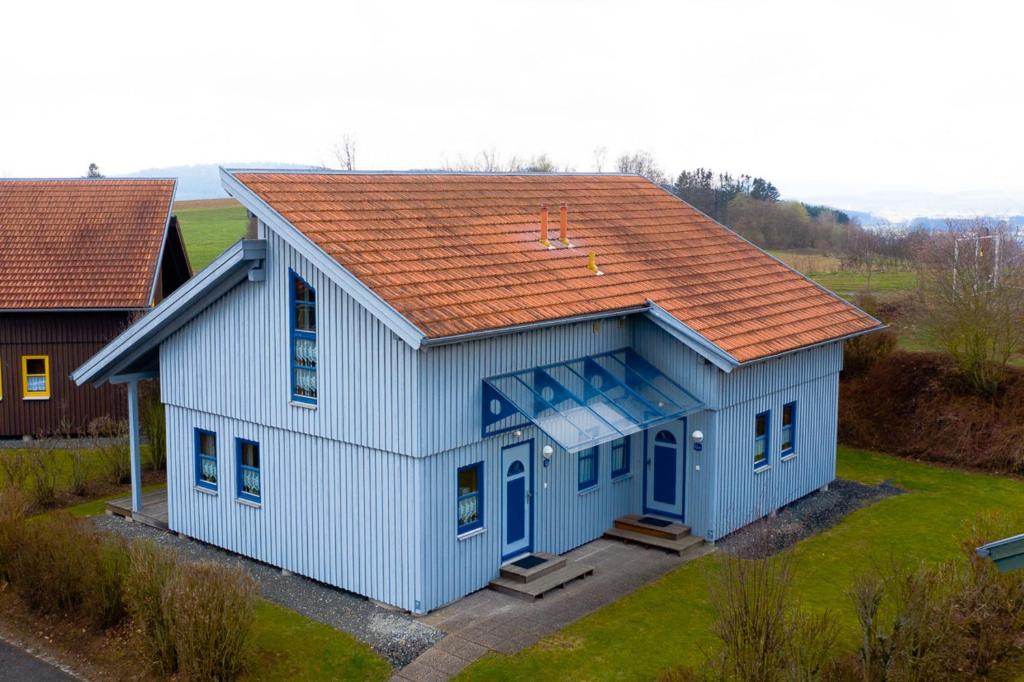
489	621
18	664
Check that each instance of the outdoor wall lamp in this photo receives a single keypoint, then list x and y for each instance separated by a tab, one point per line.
698	440
546	452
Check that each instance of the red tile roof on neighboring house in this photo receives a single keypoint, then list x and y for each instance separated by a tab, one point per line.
81	243
460	253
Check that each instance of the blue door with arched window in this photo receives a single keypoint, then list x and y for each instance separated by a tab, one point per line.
665	469
517	499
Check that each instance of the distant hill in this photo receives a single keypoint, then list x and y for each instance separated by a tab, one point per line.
202	181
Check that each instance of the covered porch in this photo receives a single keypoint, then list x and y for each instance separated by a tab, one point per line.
152	509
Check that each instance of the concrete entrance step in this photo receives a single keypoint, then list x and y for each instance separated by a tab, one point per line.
653	526
538	587
677	546
532	567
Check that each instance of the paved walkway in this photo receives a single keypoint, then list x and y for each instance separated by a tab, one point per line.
490	621
18	664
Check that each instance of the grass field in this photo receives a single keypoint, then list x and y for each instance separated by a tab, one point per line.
667	622
828	272
209	226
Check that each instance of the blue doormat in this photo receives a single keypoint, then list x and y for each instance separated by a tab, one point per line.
651	521
529	561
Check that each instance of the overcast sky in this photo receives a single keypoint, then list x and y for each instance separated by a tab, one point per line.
826	99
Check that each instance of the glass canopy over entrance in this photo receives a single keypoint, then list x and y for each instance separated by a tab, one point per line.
585	402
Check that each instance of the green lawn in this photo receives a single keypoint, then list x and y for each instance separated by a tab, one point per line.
667	622
209	227
848	283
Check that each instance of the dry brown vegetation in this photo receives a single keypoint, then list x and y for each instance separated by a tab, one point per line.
918	405
192	618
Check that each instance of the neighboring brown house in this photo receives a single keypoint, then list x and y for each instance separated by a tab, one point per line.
79	261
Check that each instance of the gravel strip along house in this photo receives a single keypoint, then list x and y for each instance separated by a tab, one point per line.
414	385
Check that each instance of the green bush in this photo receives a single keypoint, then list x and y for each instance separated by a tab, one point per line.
212	609
150	571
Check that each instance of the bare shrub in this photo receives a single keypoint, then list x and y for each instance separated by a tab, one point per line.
972	283
44	475
78	471
861	353
51	567
110	439
765	635
14	468
988	607
954	621
154	427
150	570
213	610
678	673
104	601
14	505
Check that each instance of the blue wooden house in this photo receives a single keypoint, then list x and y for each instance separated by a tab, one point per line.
411	379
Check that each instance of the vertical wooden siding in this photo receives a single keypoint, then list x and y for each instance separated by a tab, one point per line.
744	495
563	517
68	339
451	376
339	513
233	361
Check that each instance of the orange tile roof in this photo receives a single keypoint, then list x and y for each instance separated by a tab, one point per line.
459	253
80	243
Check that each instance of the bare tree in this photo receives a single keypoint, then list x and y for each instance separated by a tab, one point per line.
94	171
972	282
345	153
641	163
600	156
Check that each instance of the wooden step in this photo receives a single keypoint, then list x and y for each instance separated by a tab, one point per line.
635	523
536	589
677	546
524	575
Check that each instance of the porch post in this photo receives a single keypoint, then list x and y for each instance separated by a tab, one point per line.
133	441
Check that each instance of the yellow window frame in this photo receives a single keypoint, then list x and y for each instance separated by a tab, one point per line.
25	376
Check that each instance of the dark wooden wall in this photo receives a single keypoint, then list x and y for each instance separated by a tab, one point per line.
69	339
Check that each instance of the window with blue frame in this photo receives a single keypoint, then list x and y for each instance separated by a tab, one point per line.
788	429
586	469
303	340
206	459
620	457
248	457
470	509
761	427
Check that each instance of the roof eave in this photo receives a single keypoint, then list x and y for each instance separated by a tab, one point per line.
163	245
223	274
432	341
691	338
352	285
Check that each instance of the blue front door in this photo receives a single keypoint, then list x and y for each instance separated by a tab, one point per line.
516	516
665	470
